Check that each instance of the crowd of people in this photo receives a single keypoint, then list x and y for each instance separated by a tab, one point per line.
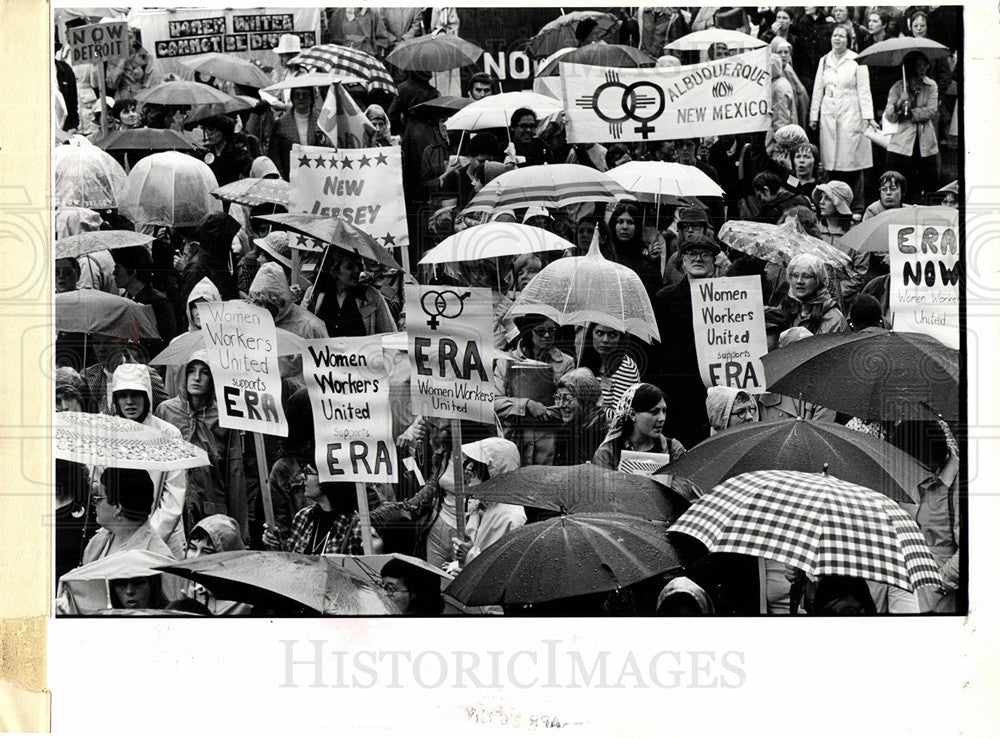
826	165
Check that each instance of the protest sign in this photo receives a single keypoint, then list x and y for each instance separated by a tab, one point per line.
362	187
100	42
729	332
243	356
731	95
450	336
924	272
349	392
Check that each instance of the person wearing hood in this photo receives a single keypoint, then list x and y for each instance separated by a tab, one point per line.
379	119
809	303
210	244
214	534
728	407
637	426
204	291
219	488
130	395
682	597
584	421
110	353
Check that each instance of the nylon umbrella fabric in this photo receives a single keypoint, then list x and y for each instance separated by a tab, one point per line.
86	177
146	139
702	40
278	577
494	111
436	53
170	189
547	186
179	352
229	68
350	62
100	313
873	234
872	375
598	55
563	31
807	446
816	523
778	243
91	241
577	290
235	104
890	53
336	232
253	191
445	102
182	92
494	240
566	556
107	440
665	180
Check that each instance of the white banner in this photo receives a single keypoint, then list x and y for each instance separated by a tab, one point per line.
349	391
450	336
729	332
363	187
731	95
924	269
106	42
243	356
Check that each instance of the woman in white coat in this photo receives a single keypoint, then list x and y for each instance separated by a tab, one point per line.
842	110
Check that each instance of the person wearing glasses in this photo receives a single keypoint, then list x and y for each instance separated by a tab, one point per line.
584	422
122	503
891	190
413	590
729	407
523	123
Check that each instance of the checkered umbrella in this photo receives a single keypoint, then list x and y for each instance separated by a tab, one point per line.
816	523
334	58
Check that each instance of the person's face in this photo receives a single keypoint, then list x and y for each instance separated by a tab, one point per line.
875	24
585	234
606	339
839	14
838	40
567	405
480	90
66	402
195	315
347	273
396	589
526	275
544	335
802	283
121	276
783	19
827	207
104	512
199	379
698	263
302	101
213	136
717	51
625	227
177	119
784	52
66	275
763	194
129	117
470	472
649	423
919	27
131	403
199	546
950	200
524	129
689	230
134	594
922	66
310	487
380	124
804	162
685	152
286	57
890	194
744	411
443	129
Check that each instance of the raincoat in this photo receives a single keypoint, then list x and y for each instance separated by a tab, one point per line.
496	519
818	314
609	453
204	291
841	102
221	487
224	534
923	120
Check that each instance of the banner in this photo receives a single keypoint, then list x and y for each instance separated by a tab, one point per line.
349	391
731	95
924	272
450	337
363	187
729	332
243	356
104	42
343	121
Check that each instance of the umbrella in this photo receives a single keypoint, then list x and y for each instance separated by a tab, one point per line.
666	181
437	53
146	139
182	92
598	55
816	523
493	240
91	241
547	186
873	234
101	313
180	349
567	29
445	102
229	68
584	488
254	191
236	104
890	53
171	189
577	290
337	232
803	445
107	440
314	79
494	111
566	556
86	177
872	375
350	62
279	577
702	40
778	243
370	566
86	588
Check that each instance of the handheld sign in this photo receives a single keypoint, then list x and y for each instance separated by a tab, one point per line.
349	391
100	42
925	269
243	356
450	335
729	332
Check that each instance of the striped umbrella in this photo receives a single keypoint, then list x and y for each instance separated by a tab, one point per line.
334	58
547	186
816	523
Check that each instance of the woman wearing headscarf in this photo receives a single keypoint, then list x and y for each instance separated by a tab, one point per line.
380	120
584	422
809	302
637	426
683	597
728	407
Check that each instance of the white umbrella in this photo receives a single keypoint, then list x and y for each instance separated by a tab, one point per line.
546	186
702	40
493	240
494	111
171	189
661	178
85	176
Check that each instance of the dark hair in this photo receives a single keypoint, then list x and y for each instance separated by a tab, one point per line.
614	153
746	266
481	78
397	528
590	359
72	480
646	397
635	246
910	62
479	468
425	586
484	143
768	181
145	401
301	440
156	599
882	15
893	176
805	216
121	106
134	259
520	113
865	312
130	488
222	123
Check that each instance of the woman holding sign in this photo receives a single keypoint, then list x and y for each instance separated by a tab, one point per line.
638	426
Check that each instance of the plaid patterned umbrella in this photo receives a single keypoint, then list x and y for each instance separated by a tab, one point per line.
816	523
334	58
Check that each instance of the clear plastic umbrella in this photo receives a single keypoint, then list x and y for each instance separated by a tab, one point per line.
86	177
778	243
91	241
230	68
171	189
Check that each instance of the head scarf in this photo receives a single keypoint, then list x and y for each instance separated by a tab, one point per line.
719	403
583	385
683	585
376	111
223	531
621	414
69	382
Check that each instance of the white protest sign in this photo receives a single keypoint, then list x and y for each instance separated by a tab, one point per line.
243	356
363	187
349	392
729	332
450	336
731	95
925	269
100	42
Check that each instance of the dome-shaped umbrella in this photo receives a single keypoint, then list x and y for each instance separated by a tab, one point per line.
171	189
86	177
599	55
182	92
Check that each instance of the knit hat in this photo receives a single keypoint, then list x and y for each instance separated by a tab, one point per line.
699	242
69	382
693	215
840	192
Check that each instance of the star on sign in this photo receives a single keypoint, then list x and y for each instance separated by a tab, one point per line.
321	162
364	161
388	239
304	161
381	159
345	163
302	241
